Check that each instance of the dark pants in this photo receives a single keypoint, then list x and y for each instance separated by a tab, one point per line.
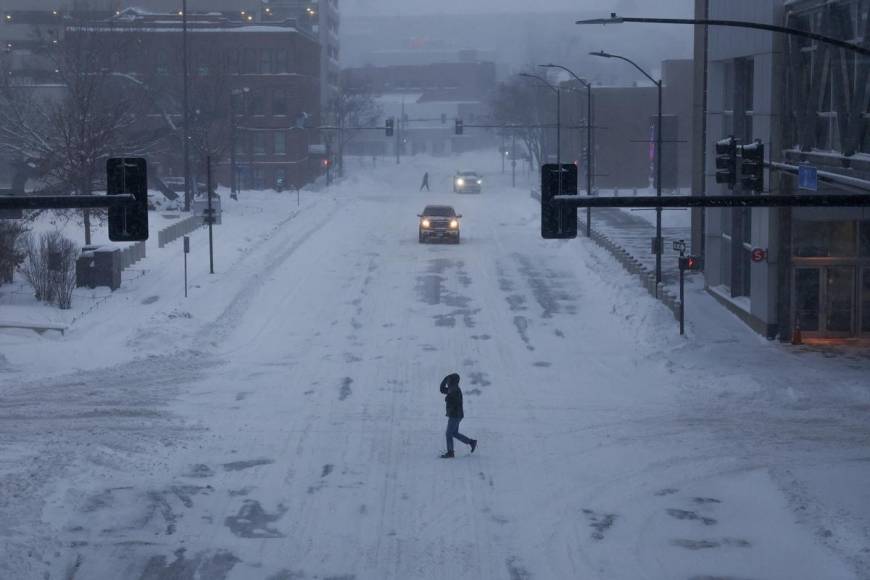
426	185
453	431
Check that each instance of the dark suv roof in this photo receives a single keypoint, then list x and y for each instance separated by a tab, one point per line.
439	211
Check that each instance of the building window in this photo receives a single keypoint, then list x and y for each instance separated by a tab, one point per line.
279	144
279	65
259	178
831	239
257	103
279	102
259	143
241	149
865	239
265	61
250	60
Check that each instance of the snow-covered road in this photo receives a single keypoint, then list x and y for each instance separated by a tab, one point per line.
285	422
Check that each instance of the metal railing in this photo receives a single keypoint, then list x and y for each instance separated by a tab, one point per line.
171	233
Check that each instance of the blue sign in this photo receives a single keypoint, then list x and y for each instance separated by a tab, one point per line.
808	177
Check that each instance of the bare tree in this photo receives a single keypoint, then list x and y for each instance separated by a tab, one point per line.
517	102
67	129
210	86
351	108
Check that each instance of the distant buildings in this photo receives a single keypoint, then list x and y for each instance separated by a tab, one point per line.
425	100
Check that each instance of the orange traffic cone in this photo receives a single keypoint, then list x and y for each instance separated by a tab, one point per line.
796	333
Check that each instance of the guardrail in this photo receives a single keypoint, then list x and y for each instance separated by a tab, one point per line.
171	233
132	254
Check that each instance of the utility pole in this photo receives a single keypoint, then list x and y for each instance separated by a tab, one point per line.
184	66
210	214
234	190
514	158
588	156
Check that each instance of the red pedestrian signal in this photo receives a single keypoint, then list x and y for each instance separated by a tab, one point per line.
691	263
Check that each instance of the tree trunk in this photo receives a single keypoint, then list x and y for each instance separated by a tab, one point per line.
86	215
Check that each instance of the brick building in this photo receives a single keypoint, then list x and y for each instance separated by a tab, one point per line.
253	89
271	50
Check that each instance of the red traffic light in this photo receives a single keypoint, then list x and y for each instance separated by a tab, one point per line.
325	162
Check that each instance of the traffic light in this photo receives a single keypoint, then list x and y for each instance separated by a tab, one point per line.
389	127
557	222
752	166
691	263
128	175
726	161
460	126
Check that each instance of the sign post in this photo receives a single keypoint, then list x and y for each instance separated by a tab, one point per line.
186	252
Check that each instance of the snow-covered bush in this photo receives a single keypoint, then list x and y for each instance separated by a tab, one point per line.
50	267
63	273
35	268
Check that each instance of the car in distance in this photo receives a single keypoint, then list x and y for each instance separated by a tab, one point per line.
439	222
467	182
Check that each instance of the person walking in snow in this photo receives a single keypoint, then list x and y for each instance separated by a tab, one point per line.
425	182
453	399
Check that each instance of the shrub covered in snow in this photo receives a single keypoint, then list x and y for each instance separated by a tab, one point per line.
50	267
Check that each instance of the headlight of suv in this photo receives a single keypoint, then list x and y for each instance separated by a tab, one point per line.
425	223
479	182
454	224
460	182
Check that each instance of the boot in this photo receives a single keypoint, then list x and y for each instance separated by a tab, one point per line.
448	455
473	445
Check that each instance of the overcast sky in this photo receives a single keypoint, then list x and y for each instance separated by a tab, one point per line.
648	7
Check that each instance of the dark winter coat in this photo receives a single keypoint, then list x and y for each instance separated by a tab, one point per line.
453	399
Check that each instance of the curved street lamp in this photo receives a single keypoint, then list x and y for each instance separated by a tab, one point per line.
658	84
588	86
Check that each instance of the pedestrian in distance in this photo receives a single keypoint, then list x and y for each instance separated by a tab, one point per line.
425	182
453	399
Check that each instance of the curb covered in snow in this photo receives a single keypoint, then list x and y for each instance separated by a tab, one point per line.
633	266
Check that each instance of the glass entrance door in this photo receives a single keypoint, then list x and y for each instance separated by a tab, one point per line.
865	302
826	301
839	301
808	299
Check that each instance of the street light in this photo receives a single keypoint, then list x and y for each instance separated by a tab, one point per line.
558	120
234	185
588	86
658	84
